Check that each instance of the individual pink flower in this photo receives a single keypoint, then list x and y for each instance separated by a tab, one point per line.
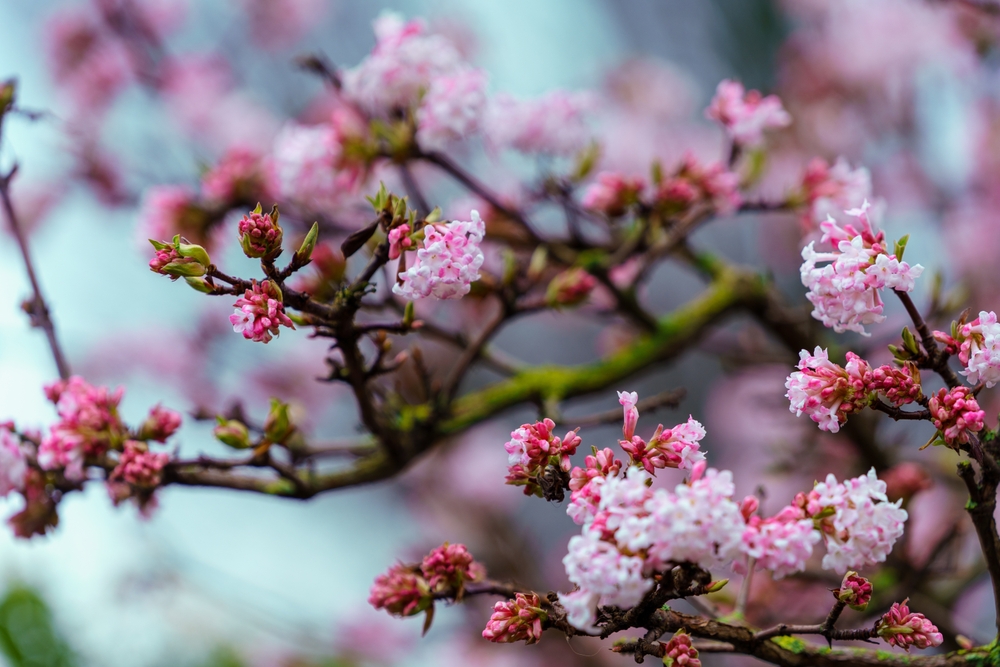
260	234
13	464
694	183
570	287
830	190
516	620
855	591
978	344
451	109
845	291
613	193
554	124
89	425
628	399
139	466
450	566
242	175
745	115
160	424
260	312
826	392
401	591
447	262
399	241
899	385
956	414
902	628
680	652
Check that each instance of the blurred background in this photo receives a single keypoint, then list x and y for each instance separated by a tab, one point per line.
908	89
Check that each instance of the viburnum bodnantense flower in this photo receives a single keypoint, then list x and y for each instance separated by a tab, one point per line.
534	447
902	628
13	462
399	241
260	234
977	344
825	391
447	262
178	259
956	414
830	190
260	312
89	425
672	448
694	183
554	124
899	385
680	652
613	193
160	424
855	591
845	291
139	466
241	175
585	484
402	591
746	114
516	620
781	544
452	108
449	567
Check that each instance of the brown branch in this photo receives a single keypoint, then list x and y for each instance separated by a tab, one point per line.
899	414
936	358
981	506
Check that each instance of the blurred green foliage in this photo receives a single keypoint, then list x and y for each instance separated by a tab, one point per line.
27	636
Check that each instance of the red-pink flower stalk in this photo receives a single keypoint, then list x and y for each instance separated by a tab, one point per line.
899	385
570	287
855	591
956	414
402	591
260	234
89	425
826	391
260	312
613	193
680	652
139	466
516	620
902	628
160	424
449	567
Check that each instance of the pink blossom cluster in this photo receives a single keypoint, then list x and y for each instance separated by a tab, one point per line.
782	543
516	620
532	448
160	424
89	425
672	448
825	391
830	190
13	464
746	114
902	628
260	234
956	414
241	175
858	523
845	291
585	484
680	652
260	312
613	193
452	108
406	590
695	183
977	344
554	124
447	262
855	591
900	385
139	466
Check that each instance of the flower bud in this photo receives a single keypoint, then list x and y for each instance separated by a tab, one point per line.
278	426
716	586
159	425
570	288
260	234
232	433
304	253
855	591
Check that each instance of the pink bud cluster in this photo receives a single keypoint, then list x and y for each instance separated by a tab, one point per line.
746	114
825	391
447	262
902	628
570	287
399	241
613	193
260	234
977	344
680	652
672	448
89	425
160	424
532	448
139	466
516	620
855	591
694	183
260	312
406	590
241	175
956	414
829	190
845	291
